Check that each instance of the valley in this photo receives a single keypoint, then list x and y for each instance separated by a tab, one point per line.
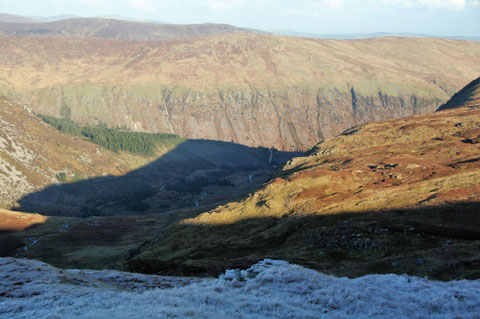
263	150
214	170
52	173
399	196
123	202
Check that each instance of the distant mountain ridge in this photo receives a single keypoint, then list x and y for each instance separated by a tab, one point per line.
5	17
122	18
118	29
54	18
351	36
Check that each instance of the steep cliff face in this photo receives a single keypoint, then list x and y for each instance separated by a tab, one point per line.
292	118
288	93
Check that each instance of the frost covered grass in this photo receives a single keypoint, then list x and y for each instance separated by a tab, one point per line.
269	289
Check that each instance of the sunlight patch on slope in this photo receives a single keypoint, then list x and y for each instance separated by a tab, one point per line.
17	221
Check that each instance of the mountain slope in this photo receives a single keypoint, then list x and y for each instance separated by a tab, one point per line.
469	96
251	89
350	36
398	196
45	171
118	29
32	154
48	172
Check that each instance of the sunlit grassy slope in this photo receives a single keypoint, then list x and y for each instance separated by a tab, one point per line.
394	196
426	66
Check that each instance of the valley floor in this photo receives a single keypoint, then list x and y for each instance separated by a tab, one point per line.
269	289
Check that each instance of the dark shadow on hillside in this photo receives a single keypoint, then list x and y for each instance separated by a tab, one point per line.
441	242
197	174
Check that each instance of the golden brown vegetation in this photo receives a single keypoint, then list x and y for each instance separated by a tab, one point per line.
397	196
17	221
425	66
265	90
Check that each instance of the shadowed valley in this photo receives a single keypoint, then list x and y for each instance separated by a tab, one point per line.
399	196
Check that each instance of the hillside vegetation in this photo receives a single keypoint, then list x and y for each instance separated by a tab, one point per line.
116	140
397	196
251	89
32	154
400	196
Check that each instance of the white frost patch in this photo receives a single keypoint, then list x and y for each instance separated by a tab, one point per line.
269	289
